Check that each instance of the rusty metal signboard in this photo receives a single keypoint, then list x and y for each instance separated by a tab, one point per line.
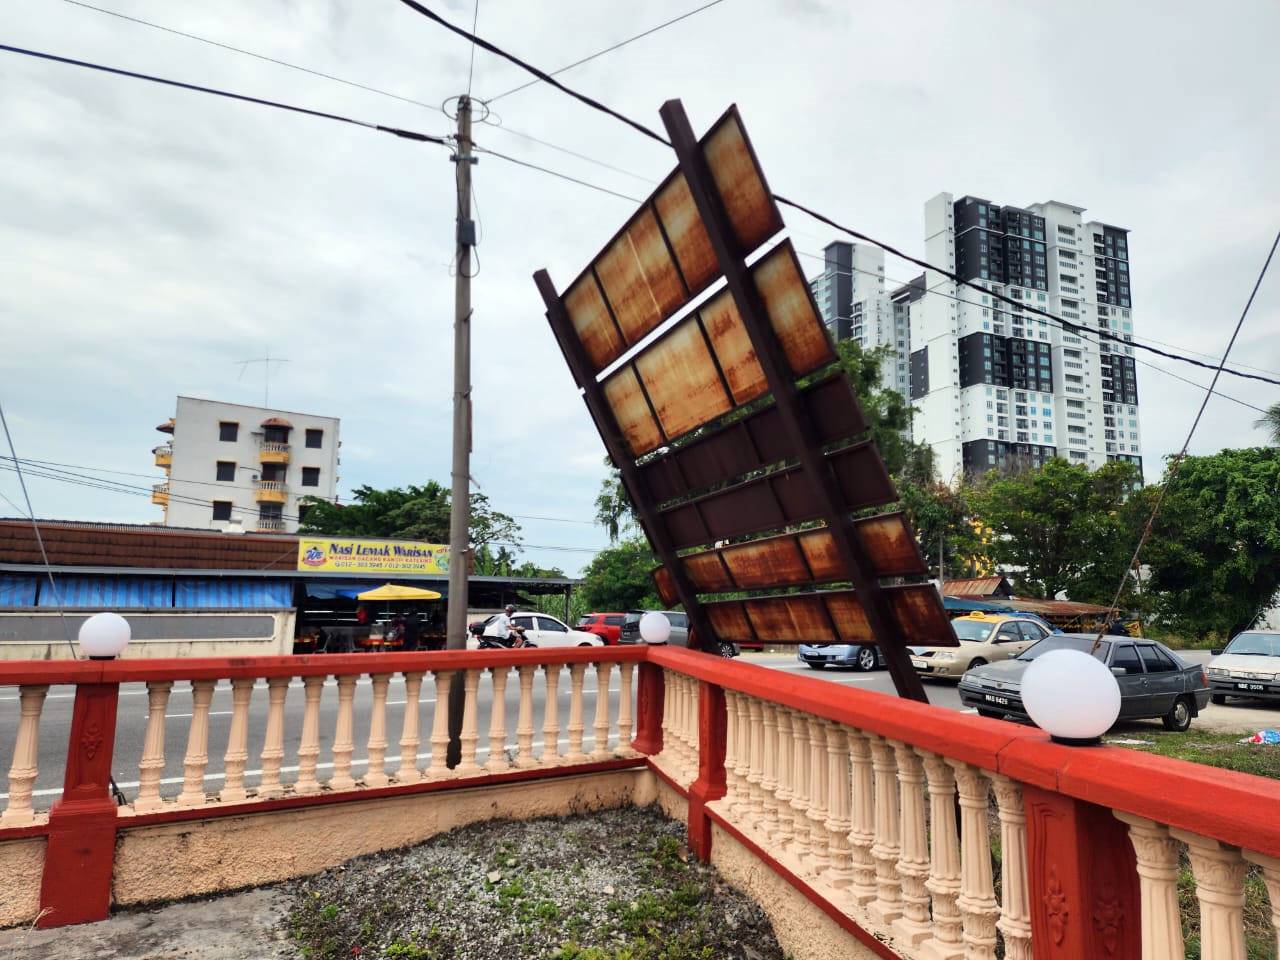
739	442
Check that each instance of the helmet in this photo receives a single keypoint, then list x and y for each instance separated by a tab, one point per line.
510	608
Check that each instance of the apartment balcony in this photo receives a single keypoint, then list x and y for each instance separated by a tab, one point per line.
164	455
271	452
160	494
270	525
269	491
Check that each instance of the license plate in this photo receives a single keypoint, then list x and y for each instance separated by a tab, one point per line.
920	662
992	698
1251	686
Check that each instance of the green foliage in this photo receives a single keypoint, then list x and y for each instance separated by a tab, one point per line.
1214	552
887	411
614	510
618	577
940	514
1063	527
417	513
1270	422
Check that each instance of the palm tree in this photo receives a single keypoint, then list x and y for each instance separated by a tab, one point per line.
1270	422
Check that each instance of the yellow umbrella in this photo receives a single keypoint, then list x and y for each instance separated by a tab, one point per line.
393	591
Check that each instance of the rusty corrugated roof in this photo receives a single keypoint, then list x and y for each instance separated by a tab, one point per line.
975	587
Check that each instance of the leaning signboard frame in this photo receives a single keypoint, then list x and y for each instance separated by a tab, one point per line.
758	335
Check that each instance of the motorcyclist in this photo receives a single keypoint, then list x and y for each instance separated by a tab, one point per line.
501	628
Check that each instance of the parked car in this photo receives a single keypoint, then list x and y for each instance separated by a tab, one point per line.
860	656
606	626
630	632
542	630
984	638
1154	681
1248	667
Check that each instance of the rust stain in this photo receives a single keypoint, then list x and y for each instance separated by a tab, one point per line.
729	621
733	348
751	210
889	543
686	232
681	379
849	617
791	312
622	393
776	561
633	301
794	619
824	560
592	323
707	573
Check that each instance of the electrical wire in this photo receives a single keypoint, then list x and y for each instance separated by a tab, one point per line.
573	153
475	19
244	98
1182	454
601	53
556	173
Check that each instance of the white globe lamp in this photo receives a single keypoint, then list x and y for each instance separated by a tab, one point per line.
104	635
1072	696
654	627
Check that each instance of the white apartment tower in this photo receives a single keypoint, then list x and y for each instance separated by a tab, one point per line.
851	296
236	467
994	384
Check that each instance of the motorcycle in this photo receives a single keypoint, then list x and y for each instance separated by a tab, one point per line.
514	640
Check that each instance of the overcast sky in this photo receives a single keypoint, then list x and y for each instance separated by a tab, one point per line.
151	238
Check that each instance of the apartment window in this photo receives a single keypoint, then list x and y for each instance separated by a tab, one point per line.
228	431
222	509
315	439
226	470
311	476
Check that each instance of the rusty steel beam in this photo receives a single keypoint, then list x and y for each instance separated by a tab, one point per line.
607	426
808	449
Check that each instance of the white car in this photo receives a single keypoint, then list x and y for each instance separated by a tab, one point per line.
1249	667
544	630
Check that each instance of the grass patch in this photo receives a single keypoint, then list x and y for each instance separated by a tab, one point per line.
1212	749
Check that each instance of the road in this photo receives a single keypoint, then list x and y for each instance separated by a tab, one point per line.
132	717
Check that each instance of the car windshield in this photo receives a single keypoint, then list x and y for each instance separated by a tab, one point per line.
975	631
1255	645
1063	642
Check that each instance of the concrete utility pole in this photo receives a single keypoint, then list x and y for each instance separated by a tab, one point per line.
460	506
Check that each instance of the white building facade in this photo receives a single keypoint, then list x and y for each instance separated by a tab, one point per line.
231	466
994	384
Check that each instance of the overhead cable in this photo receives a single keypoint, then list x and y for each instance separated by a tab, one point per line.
556	173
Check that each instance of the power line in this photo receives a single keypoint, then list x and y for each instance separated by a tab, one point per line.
556	173
601	53
573	153
244	98
475	19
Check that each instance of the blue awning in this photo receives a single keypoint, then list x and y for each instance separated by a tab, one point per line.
106	592
232	593
17	591
972	606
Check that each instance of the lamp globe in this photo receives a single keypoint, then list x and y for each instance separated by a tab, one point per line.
104	635
1071	695
655	627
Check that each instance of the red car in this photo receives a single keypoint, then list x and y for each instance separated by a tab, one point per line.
606	626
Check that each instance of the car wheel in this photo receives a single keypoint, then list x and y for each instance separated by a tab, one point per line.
866	661
1218	698
977	662
726	650
586	644
1179	716
817	666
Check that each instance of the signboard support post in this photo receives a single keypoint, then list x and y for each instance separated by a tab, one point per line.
773	361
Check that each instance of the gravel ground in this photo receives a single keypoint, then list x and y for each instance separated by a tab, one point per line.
618	885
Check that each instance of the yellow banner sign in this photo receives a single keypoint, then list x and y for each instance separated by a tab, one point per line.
341	555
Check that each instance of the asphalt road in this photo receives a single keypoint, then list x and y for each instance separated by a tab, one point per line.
132	718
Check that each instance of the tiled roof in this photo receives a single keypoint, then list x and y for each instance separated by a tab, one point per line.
277	422
123	545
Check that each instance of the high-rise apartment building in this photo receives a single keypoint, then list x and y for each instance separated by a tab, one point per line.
236	467
993	383
851	295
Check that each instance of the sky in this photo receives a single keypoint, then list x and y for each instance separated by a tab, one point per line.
151	238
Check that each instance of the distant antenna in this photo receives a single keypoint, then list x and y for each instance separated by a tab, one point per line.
266	362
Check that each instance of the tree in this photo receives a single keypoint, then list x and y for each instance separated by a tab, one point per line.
1270	422
618	578
1214	551
614	510
1062	528
940	514
416	513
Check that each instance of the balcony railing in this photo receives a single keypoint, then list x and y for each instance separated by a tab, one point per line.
160	494
877	810
164	454
270	524
269	451
270	491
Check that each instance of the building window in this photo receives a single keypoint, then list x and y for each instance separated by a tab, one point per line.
311	476
315	439
226	470
228	431
222	509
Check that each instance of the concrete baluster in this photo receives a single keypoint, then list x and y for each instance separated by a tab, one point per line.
692	709
439	769
1219	872
524	719
470	735
730	751
785	835
913	858
769	770
604	673
840	873
944	860
738	765
819	856
668	713
577	671
309	745
800	789
197	756
977	900
24	767
151	768
1015	896
551	715
1157	856
862	834
626	719
410	734
376	774
273	739
887	906
237	754
498	722
755	753
343	740
1271	877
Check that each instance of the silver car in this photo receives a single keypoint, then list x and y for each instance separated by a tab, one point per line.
679	637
